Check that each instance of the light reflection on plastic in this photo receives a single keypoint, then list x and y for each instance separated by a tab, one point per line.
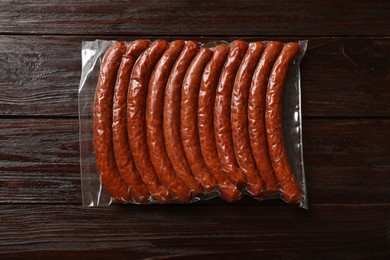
296	115
87	54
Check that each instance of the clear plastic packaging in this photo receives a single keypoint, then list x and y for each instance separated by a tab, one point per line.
171	171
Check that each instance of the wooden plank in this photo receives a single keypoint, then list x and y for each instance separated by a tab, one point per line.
349	75
193	232
340	76
39	76
202	18
347	161
39	161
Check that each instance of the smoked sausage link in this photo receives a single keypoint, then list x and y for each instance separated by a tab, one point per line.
190	134
222	123
154	124
256	115
136	119
124	159
241	141
104	151
206	103
273	119
171	120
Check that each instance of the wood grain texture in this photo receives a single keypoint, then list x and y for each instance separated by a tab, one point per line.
347	153
345	95
193	232
173	17
39	76
347	161
346	78
340	76
39	161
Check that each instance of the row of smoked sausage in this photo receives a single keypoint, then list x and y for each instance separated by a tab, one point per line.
177	121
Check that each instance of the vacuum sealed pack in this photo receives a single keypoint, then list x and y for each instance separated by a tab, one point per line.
178	122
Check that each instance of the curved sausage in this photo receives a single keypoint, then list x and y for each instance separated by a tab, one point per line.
222	126
189	129
171	120
136	105
256	115
104	152
206	102
273	120
242	146
124	159
154	124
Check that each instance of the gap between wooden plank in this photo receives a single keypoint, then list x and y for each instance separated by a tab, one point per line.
174	36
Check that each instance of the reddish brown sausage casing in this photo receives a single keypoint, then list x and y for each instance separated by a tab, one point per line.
171	120
154	124
256	115
124	159
206	101
104	151
189	129
136	121
273	120
241	141
222	123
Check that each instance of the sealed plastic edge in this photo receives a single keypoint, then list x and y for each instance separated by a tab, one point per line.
304	201
92	53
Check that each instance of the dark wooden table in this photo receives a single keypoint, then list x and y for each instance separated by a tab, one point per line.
346	134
